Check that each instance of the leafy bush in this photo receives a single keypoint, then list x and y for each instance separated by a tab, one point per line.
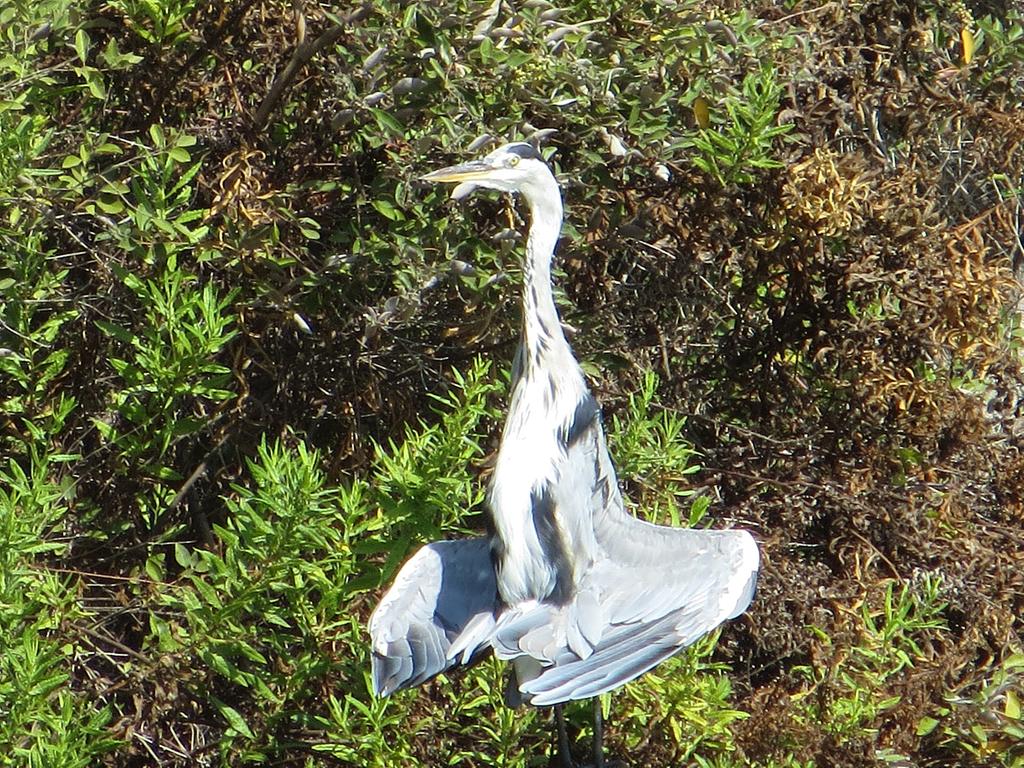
42	721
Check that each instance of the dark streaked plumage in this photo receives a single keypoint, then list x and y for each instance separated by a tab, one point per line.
586	416
550	535
525	151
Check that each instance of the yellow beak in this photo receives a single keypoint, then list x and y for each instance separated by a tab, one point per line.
471	171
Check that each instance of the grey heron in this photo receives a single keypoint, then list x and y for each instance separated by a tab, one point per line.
578	594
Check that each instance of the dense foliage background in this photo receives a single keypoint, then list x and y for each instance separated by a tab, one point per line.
247	364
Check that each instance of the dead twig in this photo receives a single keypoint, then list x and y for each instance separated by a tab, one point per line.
303	53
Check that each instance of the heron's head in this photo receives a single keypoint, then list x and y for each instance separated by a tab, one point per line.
516	167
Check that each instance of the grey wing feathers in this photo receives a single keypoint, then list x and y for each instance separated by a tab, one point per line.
652	590
438	613
623	657
653	570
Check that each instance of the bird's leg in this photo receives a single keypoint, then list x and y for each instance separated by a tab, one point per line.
563	738
598	734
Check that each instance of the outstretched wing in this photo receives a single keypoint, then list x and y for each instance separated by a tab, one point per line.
438	613
647	609
649	591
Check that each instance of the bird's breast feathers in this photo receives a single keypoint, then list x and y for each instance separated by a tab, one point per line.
531	461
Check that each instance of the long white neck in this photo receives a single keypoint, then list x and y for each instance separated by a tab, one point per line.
542	330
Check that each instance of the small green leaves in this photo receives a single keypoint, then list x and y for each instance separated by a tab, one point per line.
113	58
1012	707
745	141
653	457
892	626
388	123
92	76
182	556
44	723
115	331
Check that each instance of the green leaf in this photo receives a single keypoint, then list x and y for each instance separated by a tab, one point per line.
115	331
154	567
94	80
179	155
1012	708
82	45
208	593
112	207
386	209
113	58
234	718
220	665
182	555
388	123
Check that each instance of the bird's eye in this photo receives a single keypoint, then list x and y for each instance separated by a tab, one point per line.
513	161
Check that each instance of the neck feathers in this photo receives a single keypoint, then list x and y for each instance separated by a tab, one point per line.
542	330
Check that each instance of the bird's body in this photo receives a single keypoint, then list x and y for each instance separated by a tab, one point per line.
585	597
